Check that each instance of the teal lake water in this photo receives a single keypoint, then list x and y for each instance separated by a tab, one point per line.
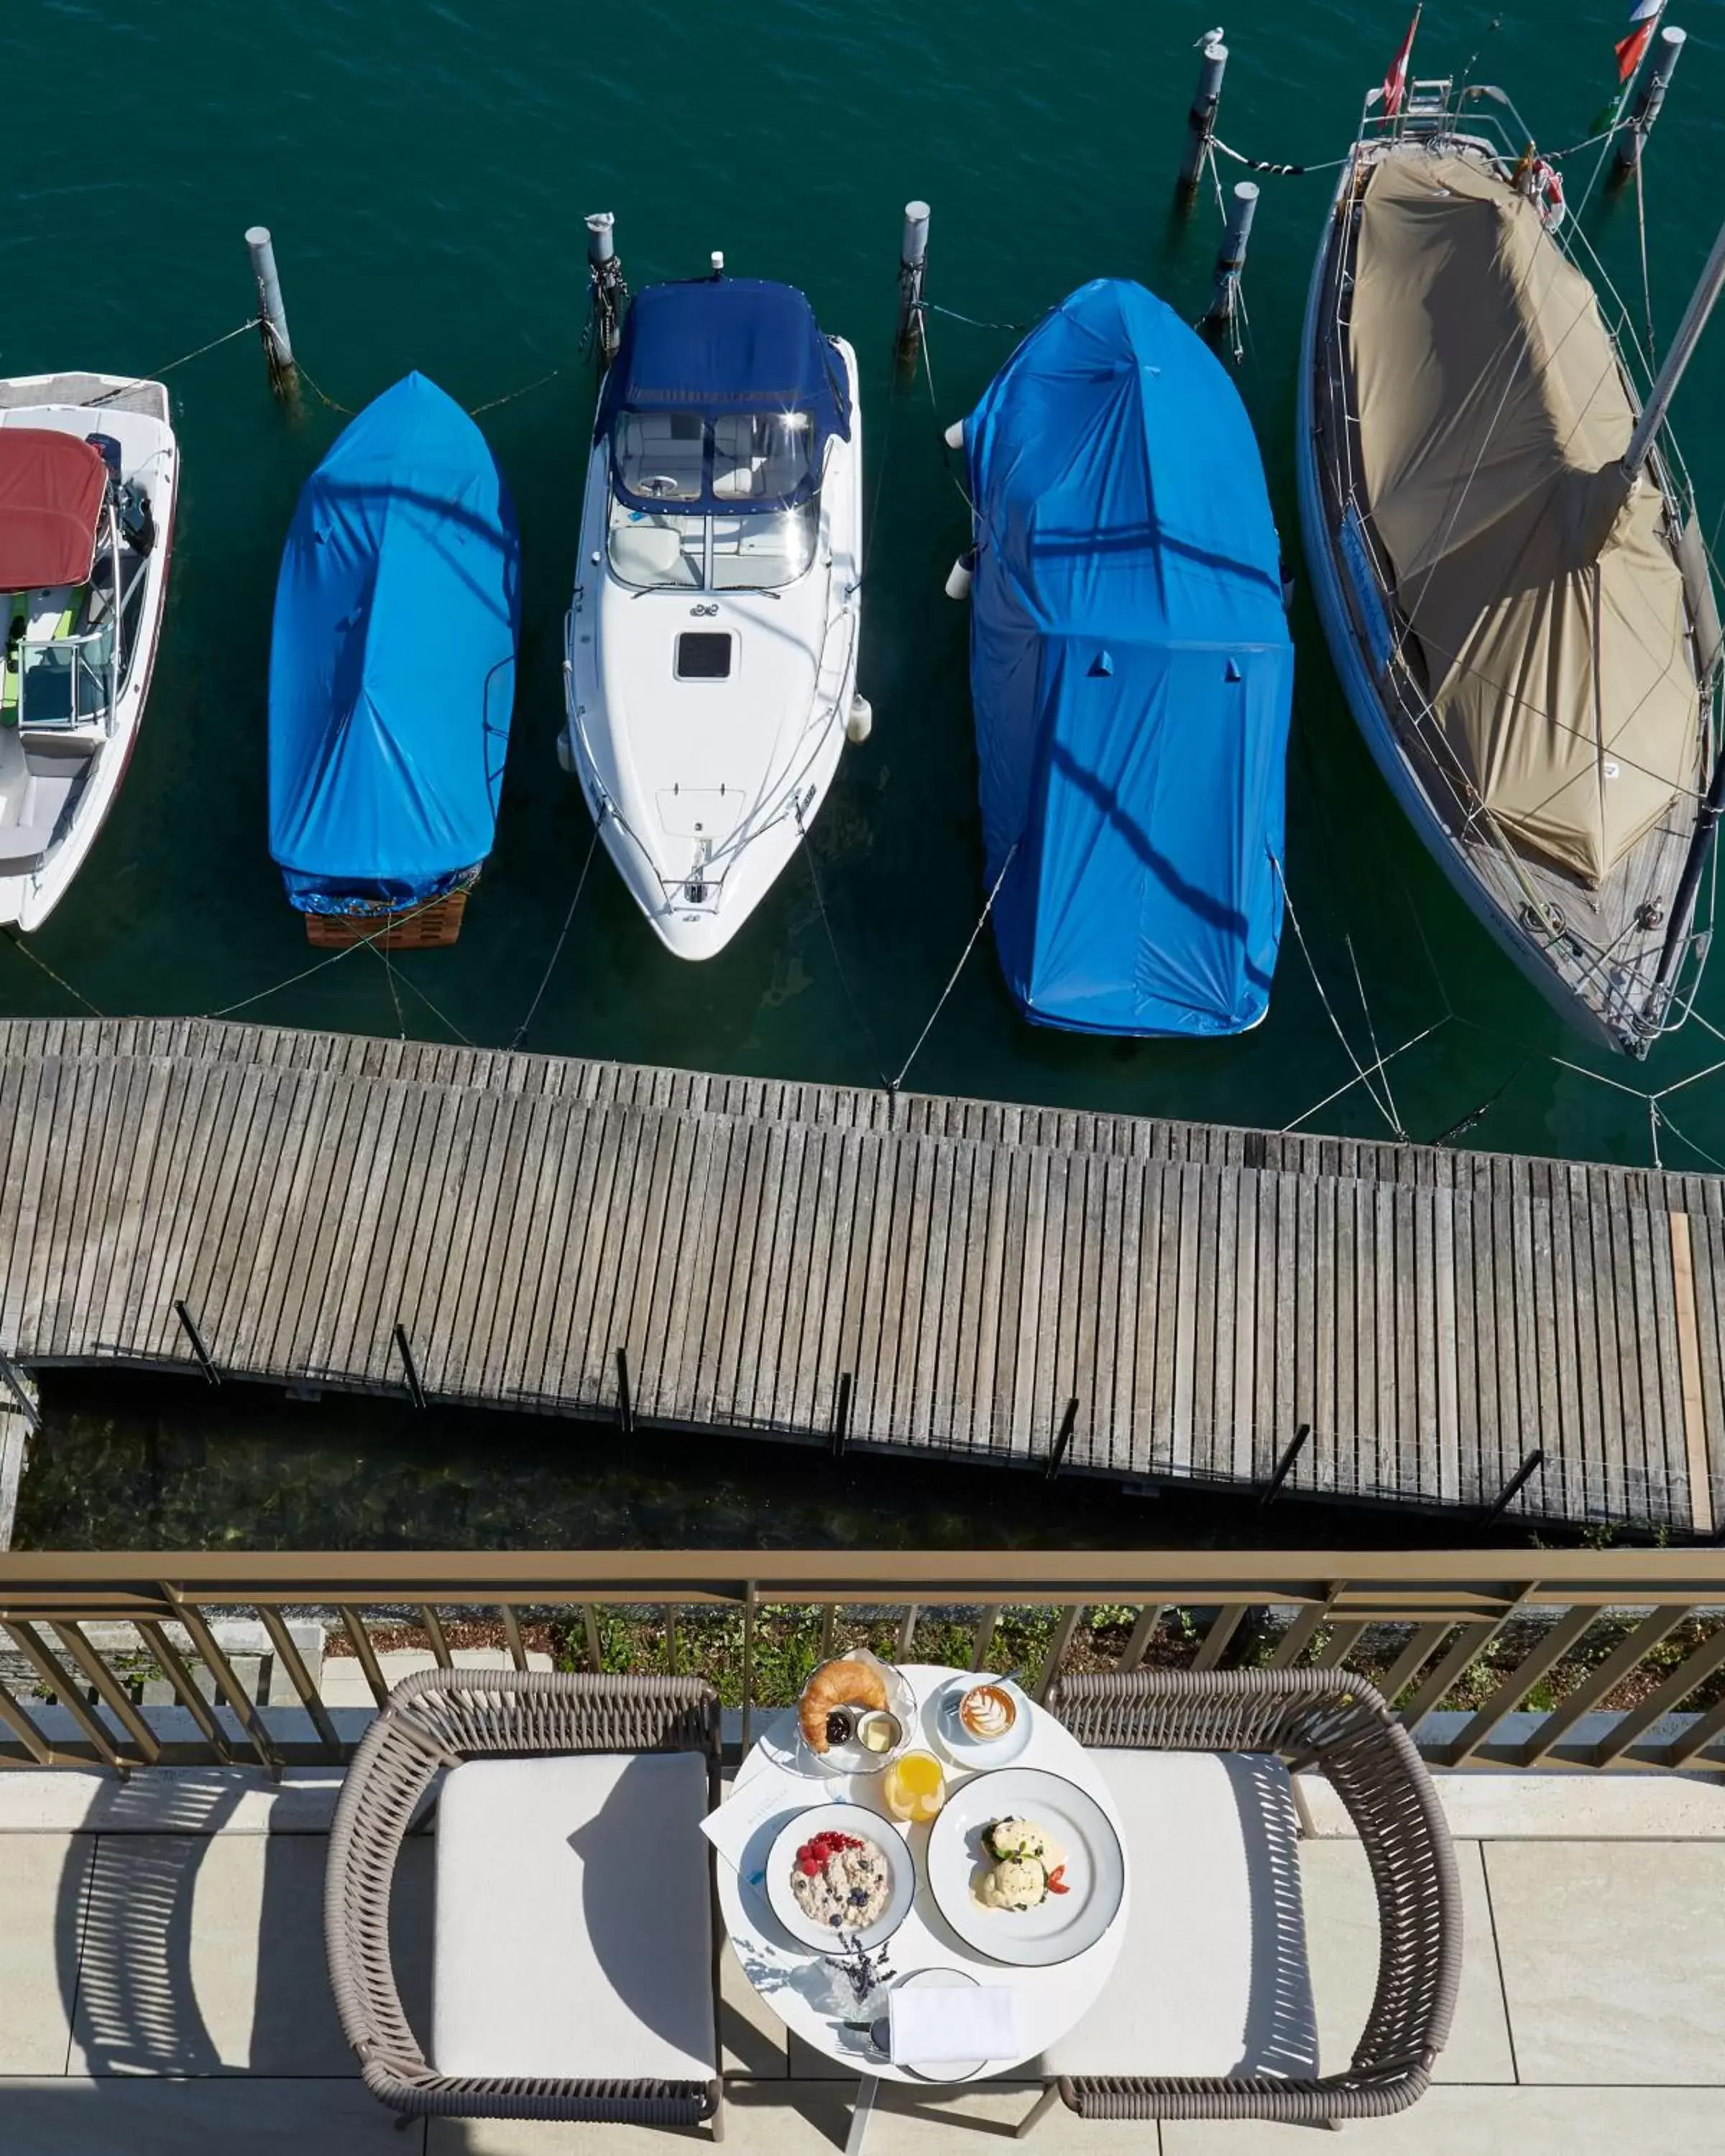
425	169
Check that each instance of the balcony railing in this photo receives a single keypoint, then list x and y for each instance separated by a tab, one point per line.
1581	1659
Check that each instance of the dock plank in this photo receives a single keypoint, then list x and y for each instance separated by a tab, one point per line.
1201	1291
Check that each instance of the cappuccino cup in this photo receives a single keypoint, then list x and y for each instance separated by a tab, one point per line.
988	1712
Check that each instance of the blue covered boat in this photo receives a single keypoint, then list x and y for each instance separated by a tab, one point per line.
1131	673
392	673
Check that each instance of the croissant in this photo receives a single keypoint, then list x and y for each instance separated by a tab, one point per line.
837	1684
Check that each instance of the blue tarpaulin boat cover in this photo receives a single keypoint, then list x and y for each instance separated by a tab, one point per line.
723	345
391	663
1131	673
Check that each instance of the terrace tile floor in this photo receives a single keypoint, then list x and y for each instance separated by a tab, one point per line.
162	1989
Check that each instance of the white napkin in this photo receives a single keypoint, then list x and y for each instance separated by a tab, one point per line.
744	1813
932	2025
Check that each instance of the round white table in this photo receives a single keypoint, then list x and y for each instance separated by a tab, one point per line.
778	1780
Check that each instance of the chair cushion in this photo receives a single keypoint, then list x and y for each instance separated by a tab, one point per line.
1212	1977
573	1937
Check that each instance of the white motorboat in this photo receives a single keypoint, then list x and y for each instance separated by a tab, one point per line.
711	647
1508	560
89	468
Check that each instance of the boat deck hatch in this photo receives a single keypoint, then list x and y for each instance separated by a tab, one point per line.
704	654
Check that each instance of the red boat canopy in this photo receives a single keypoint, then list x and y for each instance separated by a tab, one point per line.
51	491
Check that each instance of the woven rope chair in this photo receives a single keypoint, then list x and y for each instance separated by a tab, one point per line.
440	1718
1337	1723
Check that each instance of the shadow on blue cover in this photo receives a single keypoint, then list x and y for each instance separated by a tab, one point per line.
1131	673
392	662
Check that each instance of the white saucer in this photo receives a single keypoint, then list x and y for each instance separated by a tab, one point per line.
956	1740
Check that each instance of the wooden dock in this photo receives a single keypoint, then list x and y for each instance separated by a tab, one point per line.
929	1276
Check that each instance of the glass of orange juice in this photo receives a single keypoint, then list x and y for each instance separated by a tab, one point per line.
914	1787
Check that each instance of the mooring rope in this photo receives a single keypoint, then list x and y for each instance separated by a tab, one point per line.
442	1016
1348	1084
321	394
492	402
952	315
1360	1071
1266	165
60	979
963	958
334	958
138	381
557	948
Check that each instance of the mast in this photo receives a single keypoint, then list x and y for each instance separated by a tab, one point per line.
1695	321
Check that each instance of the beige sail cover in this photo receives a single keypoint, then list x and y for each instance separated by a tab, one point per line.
1548	610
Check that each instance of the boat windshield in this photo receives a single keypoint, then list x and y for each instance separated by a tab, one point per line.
740	513
64	680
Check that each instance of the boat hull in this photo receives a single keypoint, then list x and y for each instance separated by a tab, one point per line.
1615	1029
615	734
139	410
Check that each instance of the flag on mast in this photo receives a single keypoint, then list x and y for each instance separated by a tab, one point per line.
1631	49
1396	83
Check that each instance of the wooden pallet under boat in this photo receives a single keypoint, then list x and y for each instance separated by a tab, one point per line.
415	928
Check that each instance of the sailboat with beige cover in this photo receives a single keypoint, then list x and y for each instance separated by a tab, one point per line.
1505	552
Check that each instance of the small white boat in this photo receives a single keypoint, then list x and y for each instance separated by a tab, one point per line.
710	656
89	468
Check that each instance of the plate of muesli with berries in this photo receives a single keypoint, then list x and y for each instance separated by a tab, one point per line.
839	1872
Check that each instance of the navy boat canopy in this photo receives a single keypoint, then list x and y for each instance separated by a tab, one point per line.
392	662
1131	673
721	346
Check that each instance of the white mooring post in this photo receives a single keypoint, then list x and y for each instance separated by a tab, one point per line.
607	290
1667	50
912	262
272	314
1230	260
1201	119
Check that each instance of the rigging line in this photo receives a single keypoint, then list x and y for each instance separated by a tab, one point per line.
1359	1069
1521	347
138	381
1600	744
963	959
60	979
557	948
1646	288
1348	1085
857	1012
334	958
